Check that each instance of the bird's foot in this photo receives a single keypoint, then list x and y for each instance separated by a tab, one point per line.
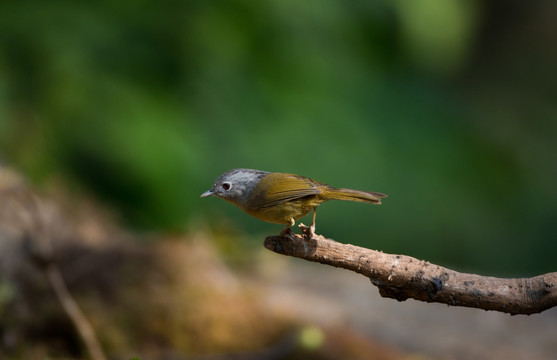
287	233
308	231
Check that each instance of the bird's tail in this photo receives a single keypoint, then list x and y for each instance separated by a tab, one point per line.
355	195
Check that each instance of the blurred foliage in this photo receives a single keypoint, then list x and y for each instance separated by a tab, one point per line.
447	106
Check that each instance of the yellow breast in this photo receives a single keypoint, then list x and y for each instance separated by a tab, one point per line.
283	212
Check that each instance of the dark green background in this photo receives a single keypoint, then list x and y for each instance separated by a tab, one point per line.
447	106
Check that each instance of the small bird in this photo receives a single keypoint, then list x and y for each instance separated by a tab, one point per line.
281	198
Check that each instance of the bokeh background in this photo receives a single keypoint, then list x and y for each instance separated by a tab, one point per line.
448	106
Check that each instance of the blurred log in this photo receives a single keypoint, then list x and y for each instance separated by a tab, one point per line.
401	277
23	215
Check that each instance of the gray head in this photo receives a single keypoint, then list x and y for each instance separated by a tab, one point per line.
235	185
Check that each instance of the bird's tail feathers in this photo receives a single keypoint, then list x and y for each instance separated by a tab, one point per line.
355	195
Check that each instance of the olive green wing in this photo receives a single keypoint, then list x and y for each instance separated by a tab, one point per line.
277	188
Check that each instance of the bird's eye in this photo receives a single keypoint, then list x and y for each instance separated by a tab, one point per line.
226	186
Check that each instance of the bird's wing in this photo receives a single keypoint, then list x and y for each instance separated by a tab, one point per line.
277	188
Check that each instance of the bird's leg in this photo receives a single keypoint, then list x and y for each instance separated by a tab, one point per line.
312	226
287	231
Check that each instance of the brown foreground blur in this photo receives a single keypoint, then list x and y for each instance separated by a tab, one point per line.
168	297
179	297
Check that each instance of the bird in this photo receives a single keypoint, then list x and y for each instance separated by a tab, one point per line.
281	198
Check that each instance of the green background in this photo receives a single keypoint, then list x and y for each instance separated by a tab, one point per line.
447	106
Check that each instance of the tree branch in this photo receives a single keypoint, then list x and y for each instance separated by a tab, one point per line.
75	314
401	277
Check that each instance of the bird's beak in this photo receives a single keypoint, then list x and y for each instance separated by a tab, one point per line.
207	193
